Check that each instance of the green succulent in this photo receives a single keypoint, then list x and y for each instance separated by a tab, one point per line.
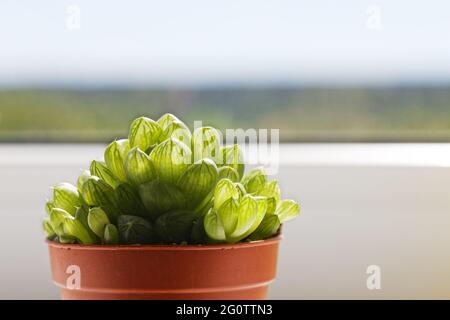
115	155
167	185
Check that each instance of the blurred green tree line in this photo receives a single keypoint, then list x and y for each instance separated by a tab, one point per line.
301	114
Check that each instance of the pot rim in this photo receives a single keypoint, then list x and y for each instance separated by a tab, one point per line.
165	247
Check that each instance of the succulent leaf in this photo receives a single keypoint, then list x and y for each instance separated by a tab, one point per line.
47	226
175	226
115	155
66	239
97	193
82	216
255	180
57	217
213	226
166	120
85	174
159	197
144	133
230	173
138	167
75	228
206	204
240	188
268	227
171	158
261	213
271	190
111	235
197	181
134	230
225	189
206	142
232	156
65	196
49	206
100	170
198	234
287	210
129	201
229	214
178	130
247	214
97	220
271	205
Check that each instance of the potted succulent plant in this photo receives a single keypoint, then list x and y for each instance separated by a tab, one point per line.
168	214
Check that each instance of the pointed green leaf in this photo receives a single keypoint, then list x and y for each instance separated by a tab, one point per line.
67	239
97	193
213	226
229	214
49	206
240	188
198	180
255	180
100	170
144	133
271	205
139	168
129	201
65	196
271	190
178	130
268	227
247	214
111	235
287	210
166	120
171	158
206	142
82	216
262	204
225	189
175	226
230	173
159	197
115	155
85	174
97	220
232	156
57	217
75	228
47	226
206	204
134	230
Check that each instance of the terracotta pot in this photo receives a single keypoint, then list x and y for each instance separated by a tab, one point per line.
234	271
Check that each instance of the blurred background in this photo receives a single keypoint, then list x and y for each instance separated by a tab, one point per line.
360	91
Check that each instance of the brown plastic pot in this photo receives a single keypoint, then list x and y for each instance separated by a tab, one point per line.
233	271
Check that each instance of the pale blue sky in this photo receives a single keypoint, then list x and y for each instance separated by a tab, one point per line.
212	42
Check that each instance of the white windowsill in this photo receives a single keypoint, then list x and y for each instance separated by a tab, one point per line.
314	154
